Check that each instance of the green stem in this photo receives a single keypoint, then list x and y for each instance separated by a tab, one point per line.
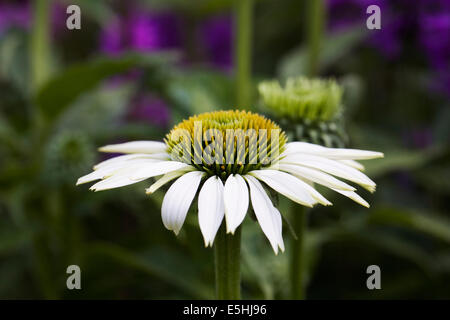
40	70
40	65
40	44
227	252
243	21
315	18
298	253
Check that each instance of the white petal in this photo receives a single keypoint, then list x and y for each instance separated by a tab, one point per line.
353	164
235	201
178	199
210	208
330	153
136	147
119	179
315	176
291	187
333	167
167	178
265	213
107	170
278	224
154	157
354	196
158	168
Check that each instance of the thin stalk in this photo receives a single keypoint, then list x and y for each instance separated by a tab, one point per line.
298	253
40	71
40	44
40	64
227	254
315	27
243	51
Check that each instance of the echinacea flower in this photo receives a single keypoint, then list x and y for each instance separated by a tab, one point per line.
228	157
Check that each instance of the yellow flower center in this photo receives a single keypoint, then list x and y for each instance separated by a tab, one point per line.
225	142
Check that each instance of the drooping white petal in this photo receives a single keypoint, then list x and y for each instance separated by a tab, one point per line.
353	164
126	175
136	147
333	167
267	215
107	170
120	179
167	178
330	153
178	199
95	175
316	176
235	201
278	224
354	196
155	157
210	208
290	186
158	168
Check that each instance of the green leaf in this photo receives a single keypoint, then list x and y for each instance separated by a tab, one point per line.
431	224
200	91
397	160
159	262
97	111
98	10
66	86
435	178
335	46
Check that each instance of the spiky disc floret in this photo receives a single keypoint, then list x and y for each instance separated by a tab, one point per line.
225	142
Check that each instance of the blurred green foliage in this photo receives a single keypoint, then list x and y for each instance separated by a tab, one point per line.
48	139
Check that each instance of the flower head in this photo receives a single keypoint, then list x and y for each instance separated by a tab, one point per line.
302	98
226	142
308	109
228	157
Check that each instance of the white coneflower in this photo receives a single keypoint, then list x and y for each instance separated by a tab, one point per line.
225	155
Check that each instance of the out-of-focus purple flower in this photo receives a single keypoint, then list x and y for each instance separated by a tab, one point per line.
150	109
434	34
153	31
14	15
111	38
388	40
426	22
18	14
343	14
217	36
58	18
142	31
